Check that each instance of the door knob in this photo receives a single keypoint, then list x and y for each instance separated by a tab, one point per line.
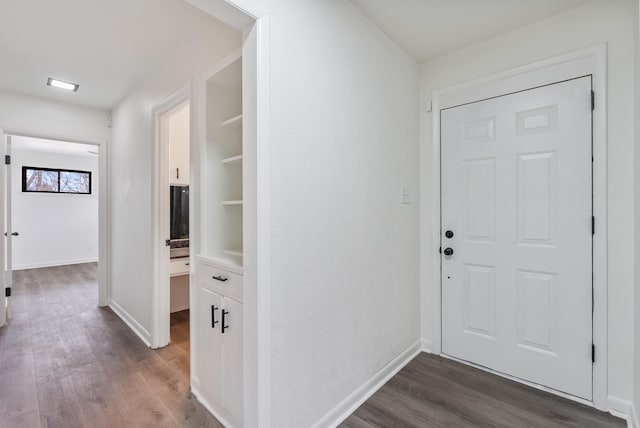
448	251
449	234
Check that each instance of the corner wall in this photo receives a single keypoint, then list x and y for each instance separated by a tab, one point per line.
344	139
600	21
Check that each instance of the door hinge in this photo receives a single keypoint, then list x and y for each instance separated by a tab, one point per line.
7	159
593	353
593	225
593	100
7	292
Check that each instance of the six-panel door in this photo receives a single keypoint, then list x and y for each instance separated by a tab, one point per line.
517	196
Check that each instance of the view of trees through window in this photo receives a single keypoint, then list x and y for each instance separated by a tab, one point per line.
50	180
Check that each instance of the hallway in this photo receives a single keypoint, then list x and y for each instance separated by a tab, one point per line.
67	363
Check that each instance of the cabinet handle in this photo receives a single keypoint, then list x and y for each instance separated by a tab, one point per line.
213	316
224	313
186	264
220	278
177	173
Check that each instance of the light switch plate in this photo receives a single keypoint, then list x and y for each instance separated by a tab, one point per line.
406	195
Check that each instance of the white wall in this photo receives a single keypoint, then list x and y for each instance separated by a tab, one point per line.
600	21
131	160
55	229
636	330
27	115
344	138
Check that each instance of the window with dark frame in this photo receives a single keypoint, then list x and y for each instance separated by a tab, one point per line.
55	180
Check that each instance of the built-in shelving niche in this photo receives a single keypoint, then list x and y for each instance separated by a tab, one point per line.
222	169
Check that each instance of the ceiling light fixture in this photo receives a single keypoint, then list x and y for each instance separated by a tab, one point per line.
62	85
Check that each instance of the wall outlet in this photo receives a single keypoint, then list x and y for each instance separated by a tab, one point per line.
406	195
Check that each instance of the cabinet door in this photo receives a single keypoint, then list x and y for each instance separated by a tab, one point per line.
210	346
179	146
232	361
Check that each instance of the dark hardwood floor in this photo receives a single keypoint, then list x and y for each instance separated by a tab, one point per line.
66	363
432	391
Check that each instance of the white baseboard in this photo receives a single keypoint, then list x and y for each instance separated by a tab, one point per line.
620	408
427	346
53	263
342	411
210	408
633	421
134	325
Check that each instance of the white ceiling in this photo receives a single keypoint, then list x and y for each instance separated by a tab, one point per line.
52	146
107	47
428	28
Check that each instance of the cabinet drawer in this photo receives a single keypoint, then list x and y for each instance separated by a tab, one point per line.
220	279
179	267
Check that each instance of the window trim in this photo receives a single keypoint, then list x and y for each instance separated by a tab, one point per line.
59	171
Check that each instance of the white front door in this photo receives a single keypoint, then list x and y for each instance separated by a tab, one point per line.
517	217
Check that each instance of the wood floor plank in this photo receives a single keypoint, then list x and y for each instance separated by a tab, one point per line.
67	363
58	403
30	419
435	392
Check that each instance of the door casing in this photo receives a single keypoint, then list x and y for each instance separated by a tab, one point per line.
104	217
589	61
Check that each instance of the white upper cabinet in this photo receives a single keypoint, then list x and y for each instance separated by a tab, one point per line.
179	146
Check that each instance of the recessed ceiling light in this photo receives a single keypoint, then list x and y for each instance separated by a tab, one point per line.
62	85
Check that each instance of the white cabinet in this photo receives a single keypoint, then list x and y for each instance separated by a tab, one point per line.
220	359
179	266
179	146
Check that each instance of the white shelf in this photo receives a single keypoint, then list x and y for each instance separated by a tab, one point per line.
237	202
235	253
232	160
234	122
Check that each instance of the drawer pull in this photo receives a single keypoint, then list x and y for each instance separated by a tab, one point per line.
213	316
224	327
186	264
220	278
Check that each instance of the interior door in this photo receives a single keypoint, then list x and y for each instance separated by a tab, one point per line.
8	227
517	235
5	219
3	275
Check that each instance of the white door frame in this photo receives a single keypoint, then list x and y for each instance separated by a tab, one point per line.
160	211
253	21
589	61
104	217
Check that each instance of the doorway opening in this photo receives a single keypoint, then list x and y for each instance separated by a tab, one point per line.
53	217
173	118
